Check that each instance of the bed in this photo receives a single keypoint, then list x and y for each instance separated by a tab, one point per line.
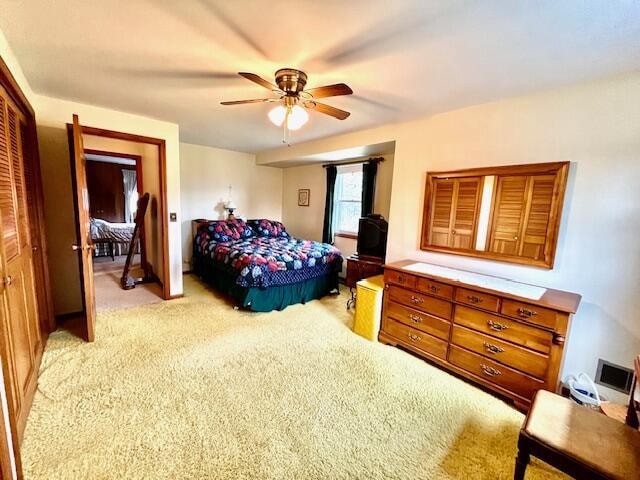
111	238
261	266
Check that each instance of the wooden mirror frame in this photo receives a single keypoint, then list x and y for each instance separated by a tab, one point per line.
559	169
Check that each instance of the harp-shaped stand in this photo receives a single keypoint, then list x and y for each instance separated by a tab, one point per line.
127	282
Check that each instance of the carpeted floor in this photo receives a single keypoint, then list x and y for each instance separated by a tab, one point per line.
192	389
109	294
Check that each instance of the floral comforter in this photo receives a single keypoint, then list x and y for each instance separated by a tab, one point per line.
259	261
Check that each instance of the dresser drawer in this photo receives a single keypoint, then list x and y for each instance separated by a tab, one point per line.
516	332
525	360
432	287
419	320
424	303
416	338
399	278
529	313
478	299
494	372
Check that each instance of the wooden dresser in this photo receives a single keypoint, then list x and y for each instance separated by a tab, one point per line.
505	342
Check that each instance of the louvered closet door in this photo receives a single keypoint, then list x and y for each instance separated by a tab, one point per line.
540	194
18	289
442	210
455	210
465	212
508	214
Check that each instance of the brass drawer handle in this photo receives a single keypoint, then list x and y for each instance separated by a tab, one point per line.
401	279
526	313
474	299
416	299
415	318
490	371
434	289
414	337
491	348
498	327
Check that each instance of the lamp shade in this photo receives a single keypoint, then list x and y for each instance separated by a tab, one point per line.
298	116
277	115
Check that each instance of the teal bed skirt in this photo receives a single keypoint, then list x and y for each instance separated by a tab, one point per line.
275	297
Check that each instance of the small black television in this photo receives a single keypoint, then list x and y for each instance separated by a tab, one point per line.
372	236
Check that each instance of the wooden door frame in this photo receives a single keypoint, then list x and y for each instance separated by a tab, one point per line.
164	209
41	266
139	184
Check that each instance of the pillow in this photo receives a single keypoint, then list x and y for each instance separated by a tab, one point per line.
226	230
268	228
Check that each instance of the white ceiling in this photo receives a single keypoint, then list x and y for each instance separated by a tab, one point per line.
176	60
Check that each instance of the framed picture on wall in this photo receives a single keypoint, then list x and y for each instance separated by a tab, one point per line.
303	197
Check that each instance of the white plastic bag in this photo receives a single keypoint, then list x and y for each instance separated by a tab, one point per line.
582	390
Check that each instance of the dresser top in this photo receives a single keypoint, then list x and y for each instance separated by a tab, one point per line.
545	297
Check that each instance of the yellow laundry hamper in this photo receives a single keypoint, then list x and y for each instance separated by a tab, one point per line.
369	292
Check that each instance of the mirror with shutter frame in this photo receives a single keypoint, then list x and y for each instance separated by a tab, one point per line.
507	213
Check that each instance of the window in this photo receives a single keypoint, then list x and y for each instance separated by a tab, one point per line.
348	199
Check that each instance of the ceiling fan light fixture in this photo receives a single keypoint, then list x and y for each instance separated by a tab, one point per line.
298	116
277	115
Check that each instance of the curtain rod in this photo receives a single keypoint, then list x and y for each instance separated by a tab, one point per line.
354	162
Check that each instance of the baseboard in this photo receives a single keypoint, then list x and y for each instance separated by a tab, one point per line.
174	297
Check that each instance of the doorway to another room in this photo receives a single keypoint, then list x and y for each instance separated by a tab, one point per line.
114	185
119	180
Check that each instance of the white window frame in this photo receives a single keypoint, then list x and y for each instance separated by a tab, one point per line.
345	169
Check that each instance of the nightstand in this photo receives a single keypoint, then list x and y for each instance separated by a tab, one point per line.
359	267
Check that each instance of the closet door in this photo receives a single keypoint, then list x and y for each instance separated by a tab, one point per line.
540	195
508	214
521	215
21	329
442	210
455	210
466	206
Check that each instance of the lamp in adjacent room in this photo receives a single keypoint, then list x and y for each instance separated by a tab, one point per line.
230	206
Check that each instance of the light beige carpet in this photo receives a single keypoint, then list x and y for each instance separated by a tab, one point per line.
109	294
192	389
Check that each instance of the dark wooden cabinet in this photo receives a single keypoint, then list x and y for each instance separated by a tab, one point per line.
359	267
510	344
106	190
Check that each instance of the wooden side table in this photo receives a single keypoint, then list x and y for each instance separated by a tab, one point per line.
359	267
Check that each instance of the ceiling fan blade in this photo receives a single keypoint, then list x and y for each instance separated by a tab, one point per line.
257	100
330	90
259	80
328	110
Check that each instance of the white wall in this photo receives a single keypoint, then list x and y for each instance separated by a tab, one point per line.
306	222
205	176
596	126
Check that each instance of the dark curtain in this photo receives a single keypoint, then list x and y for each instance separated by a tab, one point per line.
369	172
327	230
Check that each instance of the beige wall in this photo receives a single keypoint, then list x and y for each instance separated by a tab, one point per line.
205	176
306	222
595	126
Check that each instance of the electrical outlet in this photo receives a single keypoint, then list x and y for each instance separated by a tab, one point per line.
173	217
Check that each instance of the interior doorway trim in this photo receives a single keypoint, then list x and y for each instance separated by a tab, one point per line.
164	215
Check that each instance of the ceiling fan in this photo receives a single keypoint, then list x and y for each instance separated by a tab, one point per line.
294	99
